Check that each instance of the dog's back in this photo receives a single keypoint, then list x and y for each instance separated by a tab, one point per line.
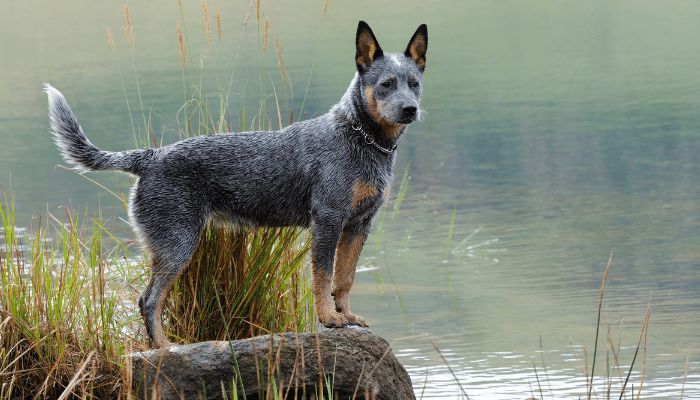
253	178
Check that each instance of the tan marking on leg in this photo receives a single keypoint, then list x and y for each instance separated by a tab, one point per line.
362	191
347	254
324	303
391	130
159	338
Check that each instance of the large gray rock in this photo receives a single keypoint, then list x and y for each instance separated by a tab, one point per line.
354	361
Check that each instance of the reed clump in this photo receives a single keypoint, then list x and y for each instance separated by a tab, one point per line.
68	310
65	316
242	282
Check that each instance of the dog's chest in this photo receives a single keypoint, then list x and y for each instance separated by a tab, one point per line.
368	193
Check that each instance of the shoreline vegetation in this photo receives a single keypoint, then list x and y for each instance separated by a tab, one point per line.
68	304
68	314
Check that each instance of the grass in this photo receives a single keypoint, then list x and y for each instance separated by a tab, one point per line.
60	311
623	374
255	273
68	304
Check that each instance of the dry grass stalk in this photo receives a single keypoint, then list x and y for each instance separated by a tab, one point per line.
266	35
206	23
219	31
277	106
249	13
110	38
181	48
642	336
181	9
128	27
77	378
645	330
447	364
280	61
600	309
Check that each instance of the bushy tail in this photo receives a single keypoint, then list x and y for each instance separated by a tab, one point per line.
77	149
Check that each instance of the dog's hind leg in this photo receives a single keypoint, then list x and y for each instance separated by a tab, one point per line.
171	249
346	257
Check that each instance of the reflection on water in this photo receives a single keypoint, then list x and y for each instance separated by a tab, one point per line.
554	133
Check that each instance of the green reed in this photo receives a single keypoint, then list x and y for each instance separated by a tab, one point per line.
61	310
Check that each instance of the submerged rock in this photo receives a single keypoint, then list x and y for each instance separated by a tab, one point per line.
352	361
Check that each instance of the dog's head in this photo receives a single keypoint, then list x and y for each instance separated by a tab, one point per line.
391	83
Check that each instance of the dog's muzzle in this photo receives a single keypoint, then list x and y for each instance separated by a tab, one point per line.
408	114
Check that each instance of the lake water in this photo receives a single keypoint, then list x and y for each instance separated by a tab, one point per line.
555	132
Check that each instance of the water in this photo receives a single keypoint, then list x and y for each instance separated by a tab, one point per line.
555	132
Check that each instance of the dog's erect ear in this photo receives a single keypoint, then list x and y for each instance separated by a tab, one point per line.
367	47
418	46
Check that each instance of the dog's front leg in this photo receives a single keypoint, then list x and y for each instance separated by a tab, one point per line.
326	234
346	258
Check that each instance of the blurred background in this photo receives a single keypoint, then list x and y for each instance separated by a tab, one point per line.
554	132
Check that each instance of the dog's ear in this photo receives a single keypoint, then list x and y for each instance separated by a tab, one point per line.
367	47
418	46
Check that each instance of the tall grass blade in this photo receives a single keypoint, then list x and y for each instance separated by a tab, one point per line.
642	334
447	364
597	329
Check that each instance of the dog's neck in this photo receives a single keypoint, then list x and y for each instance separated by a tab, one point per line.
352	110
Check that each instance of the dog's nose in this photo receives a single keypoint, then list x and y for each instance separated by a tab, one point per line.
410	111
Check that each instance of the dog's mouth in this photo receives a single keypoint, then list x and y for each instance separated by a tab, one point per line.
407	120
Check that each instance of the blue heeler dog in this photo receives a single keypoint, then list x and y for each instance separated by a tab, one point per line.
330	174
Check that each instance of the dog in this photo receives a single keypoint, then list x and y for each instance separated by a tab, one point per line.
330	174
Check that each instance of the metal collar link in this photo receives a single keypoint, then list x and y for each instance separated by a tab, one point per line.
370	140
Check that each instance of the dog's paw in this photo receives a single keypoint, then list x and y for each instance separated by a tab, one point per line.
333	319
356	320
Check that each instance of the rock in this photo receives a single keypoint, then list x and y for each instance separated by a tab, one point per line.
353	361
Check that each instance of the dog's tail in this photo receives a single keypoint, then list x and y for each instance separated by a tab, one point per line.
77	149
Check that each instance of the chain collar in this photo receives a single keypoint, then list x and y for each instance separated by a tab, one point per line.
370	140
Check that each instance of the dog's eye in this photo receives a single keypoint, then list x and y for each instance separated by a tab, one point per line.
415	84
386	84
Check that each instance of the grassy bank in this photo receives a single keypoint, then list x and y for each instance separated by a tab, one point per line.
68	311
